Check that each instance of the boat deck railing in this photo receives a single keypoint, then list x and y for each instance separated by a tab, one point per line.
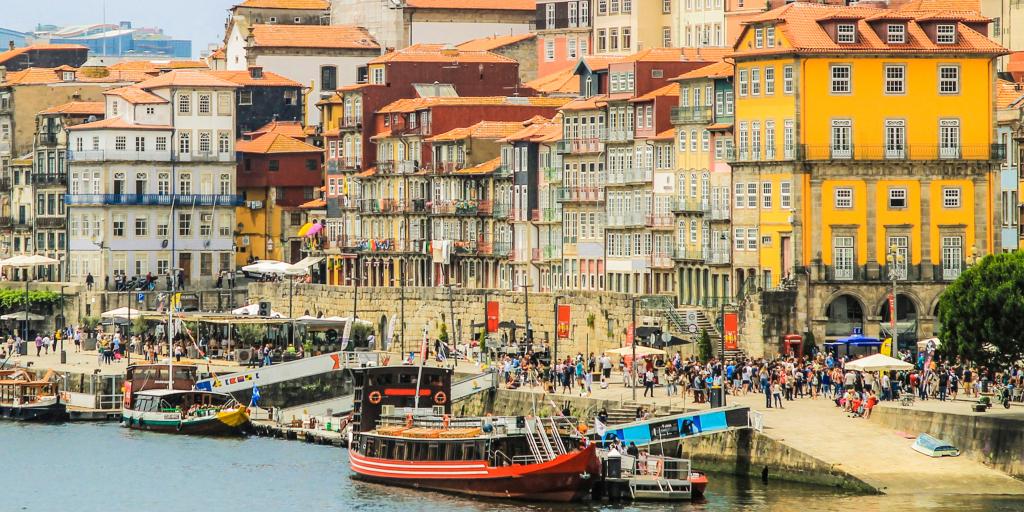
500	425
652	467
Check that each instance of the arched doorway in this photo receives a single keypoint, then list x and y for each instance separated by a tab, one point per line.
844	314
906	322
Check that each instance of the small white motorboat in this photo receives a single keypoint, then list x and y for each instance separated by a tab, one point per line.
933	447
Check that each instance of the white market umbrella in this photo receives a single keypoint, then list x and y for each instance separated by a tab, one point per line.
254	310
123	312
268	267
878	363
23	315
640	351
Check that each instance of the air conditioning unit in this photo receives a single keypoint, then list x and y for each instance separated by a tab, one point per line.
255	205
245	240
387	410
438	410
243	354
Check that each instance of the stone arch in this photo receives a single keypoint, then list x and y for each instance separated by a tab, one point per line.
883	302
844	311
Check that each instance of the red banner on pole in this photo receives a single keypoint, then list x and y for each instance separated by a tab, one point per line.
563	321
732	334
892	314
629	335
492	316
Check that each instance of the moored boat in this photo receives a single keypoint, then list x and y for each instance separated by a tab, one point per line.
161	398
24	399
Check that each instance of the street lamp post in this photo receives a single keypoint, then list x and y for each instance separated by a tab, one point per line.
63	324
721	365
632	334
896	262
554	357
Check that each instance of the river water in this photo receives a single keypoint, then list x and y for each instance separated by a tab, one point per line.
105	468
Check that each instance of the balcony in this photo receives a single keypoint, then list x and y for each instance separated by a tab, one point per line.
47	139
6	222
718	212
503	171
692	115
661	220
552	175
350	122
662	260
5	184
480	248
619	135
899	152
501	210
689	254
546	215
462	207
446	167
387	245
691	205
580	194
418	206
718	256
46	178
50	222
397	167
154	199
626	220
581	146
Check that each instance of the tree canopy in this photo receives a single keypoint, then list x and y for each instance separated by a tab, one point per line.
980	314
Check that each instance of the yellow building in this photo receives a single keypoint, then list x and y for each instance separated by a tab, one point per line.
623	27
862	132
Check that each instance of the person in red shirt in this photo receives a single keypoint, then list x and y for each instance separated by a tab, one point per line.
870	404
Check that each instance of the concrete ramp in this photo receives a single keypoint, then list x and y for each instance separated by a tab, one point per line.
305	367
469	386
680	426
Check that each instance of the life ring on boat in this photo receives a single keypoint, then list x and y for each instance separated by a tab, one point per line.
440	398
445	420
375	397
408	420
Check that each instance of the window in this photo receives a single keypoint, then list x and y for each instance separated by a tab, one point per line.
626	32
842	144
769	80
949	79
225	184
785	195
950	197
844	197
613	39
206	225
841	79
766	195
163	184
945	34
585	14
705	140
751	195
224	142
549	49
751	239
682	140
896	33
162	227
740	236
291	98
118	225
693	140
755	140
224	226
895	79
949	138
224	102
161	143
744	86
601	40
842	248
787	79
245	97
120	143
549	16
328	78
571	48
184	104
895	138
205	104
140	144
274	165
769	33
141	226
185	183
184	143
846	33
184	224
898	267
769	140
666	6
205	142
897	198
666	37
377	75
739	192
755	81
952	257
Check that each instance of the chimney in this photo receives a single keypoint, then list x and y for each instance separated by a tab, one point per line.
10	44
255	72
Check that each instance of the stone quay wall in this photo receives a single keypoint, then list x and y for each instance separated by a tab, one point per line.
598	319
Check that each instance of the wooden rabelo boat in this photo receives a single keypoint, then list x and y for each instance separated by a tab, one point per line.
162	398
25	399
403	434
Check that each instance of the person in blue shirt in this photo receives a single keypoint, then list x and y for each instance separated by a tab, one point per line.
766	389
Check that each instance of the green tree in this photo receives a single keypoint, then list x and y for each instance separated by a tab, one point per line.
443	335
809	343
138	326
704	347
980	312
251	334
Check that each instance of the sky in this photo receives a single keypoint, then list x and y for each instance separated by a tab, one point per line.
201	21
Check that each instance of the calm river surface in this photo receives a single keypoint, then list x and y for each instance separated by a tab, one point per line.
102	467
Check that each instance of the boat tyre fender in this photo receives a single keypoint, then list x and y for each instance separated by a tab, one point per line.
178	428
440	398
375	397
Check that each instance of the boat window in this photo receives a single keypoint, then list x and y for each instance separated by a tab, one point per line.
406	378
371	445
469	451
432	451
400	451
451	451
383	380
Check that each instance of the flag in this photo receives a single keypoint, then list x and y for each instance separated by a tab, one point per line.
599	427
255	395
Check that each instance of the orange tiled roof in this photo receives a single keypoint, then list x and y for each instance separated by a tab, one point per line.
1007	93
676	55
10	54
671	89
136	95
85	108
591	103
185	78
720	127
155	66
493	5
598	62
316	5
801	25
1015	66
439	53
491	43
36	76
313	36
720	69
538	129
244	77
274	143
313	205
559	82
367	173
117	123
219	53
481	169
669	134
942	5
480	130
292	129
414	104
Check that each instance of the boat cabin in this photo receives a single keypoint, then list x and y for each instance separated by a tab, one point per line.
142	377
195	403
18	388
384	390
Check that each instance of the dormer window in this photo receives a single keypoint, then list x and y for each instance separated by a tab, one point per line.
896	33
769	36
945	34
68	76
758	37
846	33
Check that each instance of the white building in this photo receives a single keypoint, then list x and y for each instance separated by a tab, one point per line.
152	186
321	57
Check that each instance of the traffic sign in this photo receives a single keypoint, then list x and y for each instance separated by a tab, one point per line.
142	297
692	328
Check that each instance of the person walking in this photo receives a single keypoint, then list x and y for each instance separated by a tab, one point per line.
765	388
89	281
649	382
39	345
777	394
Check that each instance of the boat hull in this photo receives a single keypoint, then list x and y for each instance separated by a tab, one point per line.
45	413
566	478
226	423
698	483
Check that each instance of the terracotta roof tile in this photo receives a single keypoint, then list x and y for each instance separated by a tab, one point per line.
439	53
676	55
491	43
367	173
669	134
185	78
85	108
942	5
1007	94
313	36
720	127
491	5
801	25
118	124
244	78
480	130
1015	66
591	103
35	76
317	5
10	54
671	89
413	104
292	129
155	66
481	169
315	204
136	95
538	129
559	82
720	69
274	143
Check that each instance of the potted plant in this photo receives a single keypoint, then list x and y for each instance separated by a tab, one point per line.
983	404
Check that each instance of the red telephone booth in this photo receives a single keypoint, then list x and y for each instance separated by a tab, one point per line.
792	345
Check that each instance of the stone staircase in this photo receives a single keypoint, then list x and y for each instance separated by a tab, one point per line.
703	322
626	413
